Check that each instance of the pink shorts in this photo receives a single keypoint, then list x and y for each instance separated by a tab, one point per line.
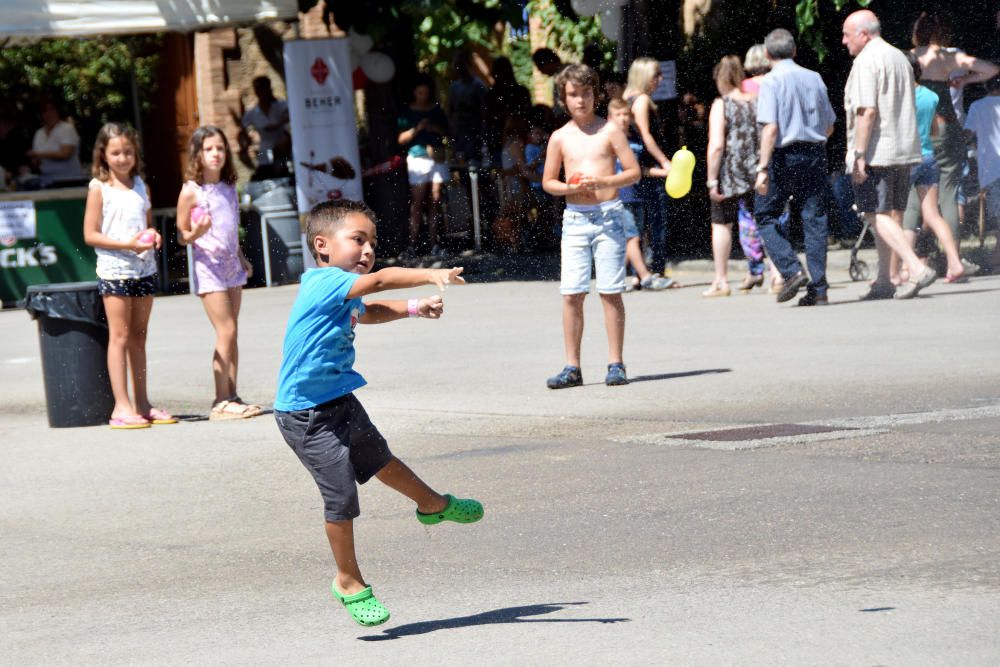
218	276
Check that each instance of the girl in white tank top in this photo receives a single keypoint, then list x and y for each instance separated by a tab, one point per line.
118	225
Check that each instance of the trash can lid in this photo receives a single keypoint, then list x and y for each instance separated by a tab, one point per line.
86	286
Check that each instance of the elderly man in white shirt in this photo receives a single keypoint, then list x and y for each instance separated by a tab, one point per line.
883	144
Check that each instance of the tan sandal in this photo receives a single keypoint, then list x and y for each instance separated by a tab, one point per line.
228	409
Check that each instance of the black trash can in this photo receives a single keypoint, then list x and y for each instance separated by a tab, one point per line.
73	336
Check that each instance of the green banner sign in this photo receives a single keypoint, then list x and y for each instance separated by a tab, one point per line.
55	254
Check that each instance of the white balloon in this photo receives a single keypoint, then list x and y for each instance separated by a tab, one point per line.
585	7
360	43
378	67
611	23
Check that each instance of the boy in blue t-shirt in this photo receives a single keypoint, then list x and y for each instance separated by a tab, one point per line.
316	411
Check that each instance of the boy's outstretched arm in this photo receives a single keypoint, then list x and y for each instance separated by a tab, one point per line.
378	312
400	278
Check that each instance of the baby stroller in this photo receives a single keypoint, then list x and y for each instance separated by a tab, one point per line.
858	269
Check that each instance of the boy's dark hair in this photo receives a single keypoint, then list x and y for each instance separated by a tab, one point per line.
99	168
325	217
544	56
992	84
581	75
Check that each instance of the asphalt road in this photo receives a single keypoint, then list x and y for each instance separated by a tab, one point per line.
856	523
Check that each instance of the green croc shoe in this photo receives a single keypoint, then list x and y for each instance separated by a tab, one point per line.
363	607
460	510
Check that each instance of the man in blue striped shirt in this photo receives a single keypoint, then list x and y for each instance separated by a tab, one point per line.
795	111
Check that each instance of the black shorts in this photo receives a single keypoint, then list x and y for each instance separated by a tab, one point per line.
340	447
725	212
145	286
886	189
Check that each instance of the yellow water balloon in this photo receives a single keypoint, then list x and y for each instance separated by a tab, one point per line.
679	178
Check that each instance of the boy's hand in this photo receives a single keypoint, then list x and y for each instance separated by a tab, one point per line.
444	277
431	307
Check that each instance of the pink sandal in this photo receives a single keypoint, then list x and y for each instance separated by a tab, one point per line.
128	422
158	416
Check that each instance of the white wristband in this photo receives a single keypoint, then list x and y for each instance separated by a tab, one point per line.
413	307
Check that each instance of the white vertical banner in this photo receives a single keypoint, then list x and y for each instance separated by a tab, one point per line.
321	112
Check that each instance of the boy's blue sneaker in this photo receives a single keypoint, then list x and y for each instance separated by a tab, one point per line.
568	377
616	375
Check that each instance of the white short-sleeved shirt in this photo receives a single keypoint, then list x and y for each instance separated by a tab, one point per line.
260	121
123	216
984	121
63	134
882	78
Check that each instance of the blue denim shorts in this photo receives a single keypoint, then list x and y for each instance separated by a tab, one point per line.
594	236
629	225
926	173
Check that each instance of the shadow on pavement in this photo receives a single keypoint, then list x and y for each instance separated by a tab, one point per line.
506	615
682	374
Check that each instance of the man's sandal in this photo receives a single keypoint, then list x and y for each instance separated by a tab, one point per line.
459	510
363	607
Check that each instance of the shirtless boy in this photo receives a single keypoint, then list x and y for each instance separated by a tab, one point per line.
585	149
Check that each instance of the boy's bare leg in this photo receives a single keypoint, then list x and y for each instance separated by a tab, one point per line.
573	326
614	324
633	256
341	536
396	475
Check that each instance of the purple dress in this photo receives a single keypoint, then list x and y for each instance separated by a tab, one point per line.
216	253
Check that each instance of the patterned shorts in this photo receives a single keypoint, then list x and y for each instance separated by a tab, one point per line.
145	286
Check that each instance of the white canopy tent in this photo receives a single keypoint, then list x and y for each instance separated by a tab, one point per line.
52	18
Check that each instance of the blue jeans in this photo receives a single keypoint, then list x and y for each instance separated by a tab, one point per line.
797	170
655	199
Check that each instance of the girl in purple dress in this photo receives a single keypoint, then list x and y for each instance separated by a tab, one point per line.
208	218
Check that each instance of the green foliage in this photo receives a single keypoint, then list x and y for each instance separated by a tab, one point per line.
440	27
90	76
568	36
808	21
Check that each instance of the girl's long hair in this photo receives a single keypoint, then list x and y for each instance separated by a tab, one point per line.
196	169
640	73
99	168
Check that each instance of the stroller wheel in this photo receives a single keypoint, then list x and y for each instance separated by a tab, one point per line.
858	270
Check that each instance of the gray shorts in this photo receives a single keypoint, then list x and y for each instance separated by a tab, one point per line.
340	447
886	189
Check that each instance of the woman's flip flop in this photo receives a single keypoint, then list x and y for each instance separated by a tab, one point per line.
158	416
459	510
230	409
363	607
128	422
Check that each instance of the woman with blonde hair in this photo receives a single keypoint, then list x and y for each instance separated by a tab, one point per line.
732	158
643	78
756	65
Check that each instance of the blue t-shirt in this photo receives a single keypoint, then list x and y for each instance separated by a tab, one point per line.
927	102
317	362
628	193
531	153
